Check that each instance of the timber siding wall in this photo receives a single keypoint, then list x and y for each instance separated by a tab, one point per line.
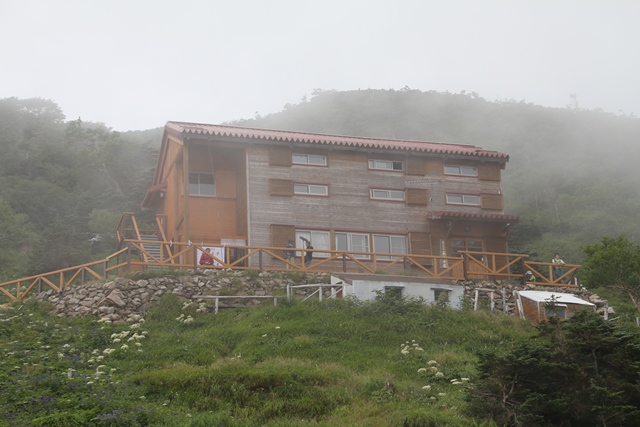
348	206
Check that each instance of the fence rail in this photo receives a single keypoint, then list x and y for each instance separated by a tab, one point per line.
136	255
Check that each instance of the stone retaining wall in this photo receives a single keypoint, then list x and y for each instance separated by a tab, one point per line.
125	300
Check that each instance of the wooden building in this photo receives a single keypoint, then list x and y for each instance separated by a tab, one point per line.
225	185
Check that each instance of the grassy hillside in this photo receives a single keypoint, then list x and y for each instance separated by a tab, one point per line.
323	364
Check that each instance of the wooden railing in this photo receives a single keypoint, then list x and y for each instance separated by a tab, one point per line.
59	280
135	256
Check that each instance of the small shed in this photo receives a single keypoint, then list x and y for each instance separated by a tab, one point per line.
538	306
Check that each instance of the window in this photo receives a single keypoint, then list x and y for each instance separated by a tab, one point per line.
393	291
389	244
318	239
460	170
458	245
390	165
463	199
353	242
202	184
441	295
378	193
557	310
309	159
311	189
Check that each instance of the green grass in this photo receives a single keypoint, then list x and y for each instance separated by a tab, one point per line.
298	364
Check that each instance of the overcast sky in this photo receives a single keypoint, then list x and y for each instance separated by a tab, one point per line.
136	64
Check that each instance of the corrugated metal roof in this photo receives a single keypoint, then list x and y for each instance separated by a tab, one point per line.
199	129
485	216
541	296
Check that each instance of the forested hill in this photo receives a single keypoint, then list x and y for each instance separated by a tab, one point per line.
64	185
572	176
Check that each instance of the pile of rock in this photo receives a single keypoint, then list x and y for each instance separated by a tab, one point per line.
122	299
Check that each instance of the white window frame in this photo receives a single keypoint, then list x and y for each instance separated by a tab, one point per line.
462	170
464	199
350	246
386	165
318	239
310	189
309	159
397	245
385	194
198	187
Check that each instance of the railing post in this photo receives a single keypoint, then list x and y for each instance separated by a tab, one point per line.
61	280
195	257
39	284
106	273
505	305
288	293
83	275
275	301
128	257
344	262
260	260
465	266
320	293
405	262
217	306
522	269
18	290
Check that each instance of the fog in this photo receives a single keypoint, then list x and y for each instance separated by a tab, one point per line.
137	64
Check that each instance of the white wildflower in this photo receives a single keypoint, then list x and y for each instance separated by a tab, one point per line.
422	370
432	362
439	374
426	387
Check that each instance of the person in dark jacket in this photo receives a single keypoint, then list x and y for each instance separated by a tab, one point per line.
308	255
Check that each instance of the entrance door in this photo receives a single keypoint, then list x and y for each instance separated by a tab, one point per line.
470	245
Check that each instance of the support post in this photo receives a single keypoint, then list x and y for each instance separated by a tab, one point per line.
465	266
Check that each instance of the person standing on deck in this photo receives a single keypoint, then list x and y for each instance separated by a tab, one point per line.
557	266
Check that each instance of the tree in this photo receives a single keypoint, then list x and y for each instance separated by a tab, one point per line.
614	263
580	372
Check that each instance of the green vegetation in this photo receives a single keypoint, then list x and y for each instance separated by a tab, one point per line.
615	264
392	362
580	372
296	364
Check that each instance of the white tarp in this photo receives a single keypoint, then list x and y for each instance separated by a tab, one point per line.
540	296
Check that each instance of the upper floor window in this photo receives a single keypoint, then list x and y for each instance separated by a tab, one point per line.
379	193
463	199
461	170
309	159
311	189
202	184
353	242
389	165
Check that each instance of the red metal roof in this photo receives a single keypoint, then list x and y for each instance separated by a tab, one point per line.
205	130
480	216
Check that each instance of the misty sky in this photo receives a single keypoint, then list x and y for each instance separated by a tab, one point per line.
135	64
